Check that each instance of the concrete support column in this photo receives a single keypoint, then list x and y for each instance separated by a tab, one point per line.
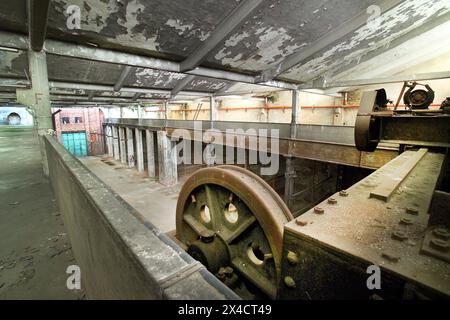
109	141
167	158
38	99
130	147
150	141
122	146
116	149
139	150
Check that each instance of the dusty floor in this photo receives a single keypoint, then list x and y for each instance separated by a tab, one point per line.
154	201
34	249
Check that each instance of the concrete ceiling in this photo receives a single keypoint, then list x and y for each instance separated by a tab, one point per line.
271	41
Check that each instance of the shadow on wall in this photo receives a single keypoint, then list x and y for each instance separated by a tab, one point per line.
15	116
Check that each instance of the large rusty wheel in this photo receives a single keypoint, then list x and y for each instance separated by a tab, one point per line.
232	221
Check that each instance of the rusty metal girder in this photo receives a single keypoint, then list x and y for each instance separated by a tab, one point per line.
342	236
313	150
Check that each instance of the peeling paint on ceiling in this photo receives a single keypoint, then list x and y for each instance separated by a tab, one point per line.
172	29
206	84
150	78
279	28
395	23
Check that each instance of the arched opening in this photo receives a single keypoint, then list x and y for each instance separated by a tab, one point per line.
14	119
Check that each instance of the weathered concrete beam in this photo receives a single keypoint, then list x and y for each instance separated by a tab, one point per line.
136	96
16	83
115	57
123	76
105	88
236	17
37	22
181	85
91	95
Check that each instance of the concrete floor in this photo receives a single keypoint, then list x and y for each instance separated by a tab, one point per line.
34	248
155	202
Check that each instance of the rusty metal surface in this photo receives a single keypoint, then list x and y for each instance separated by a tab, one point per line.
394	178
256	202
418	130
314	150
360	231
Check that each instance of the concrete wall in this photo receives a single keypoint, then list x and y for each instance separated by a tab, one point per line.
26	119
316	109
120	256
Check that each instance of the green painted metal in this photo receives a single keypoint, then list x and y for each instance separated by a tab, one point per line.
75	143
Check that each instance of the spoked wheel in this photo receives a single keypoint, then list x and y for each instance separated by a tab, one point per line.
232	221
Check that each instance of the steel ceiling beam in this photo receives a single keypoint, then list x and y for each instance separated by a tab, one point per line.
338	33
236	17
37	22
123	76
181	85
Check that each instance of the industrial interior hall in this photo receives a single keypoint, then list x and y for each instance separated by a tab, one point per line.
225	149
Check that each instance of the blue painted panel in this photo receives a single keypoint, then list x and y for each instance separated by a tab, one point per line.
75	143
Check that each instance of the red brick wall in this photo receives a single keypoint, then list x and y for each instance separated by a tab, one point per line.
92	119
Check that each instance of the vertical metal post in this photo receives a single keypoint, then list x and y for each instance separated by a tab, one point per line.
213	116
290	174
